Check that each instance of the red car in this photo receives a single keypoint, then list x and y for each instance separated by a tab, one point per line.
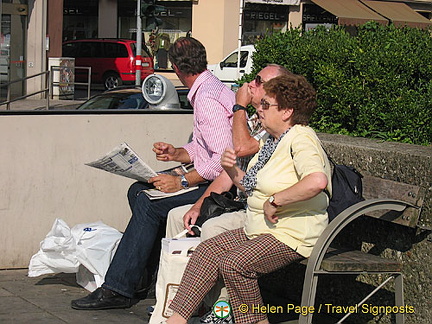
112	61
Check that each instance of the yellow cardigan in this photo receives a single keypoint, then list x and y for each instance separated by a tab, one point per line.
298	154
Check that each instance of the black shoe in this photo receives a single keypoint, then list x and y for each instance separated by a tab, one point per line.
141	294
102	298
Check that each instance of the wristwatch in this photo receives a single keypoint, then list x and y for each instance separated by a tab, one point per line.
272	201
238	107
183	181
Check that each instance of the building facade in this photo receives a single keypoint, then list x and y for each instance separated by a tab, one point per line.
32	31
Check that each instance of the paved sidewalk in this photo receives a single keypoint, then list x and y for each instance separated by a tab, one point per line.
40	104
55	104
46	300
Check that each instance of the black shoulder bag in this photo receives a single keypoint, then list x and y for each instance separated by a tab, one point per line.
218	204
347	188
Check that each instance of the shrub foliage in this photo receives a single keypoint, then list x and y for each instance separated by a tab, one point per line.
376	84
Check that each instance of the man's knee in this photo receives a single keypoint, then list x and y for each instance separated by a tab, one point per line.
134	191
175	220
211	229
225	222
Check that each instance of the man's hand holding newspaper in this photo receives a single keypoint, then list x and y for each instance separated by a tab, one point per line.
122	160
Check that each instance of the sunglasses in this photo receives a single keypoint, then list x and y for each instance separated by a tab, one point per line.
259	80
266	105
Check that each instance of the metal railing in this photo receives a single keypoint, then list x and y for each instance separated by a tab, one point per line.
46	90
63	69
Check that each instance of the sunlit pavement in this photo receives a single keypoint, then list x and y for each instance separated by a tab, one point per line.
46	299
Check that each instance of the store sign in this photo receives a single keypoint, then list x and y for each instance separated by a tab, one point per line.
280	2
315	14
319	19
175	12
264	15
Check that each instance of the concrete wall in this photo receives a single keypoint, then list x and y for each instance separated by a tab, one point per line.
43	176
219	30
295	16
54	32
107	21
36	46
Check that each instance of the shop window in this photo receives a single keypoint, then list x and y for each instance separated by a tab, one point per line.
314	15
80	19
260	20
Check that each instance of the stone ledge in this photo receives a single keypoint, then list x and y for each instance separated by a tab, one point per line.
394	161
401	162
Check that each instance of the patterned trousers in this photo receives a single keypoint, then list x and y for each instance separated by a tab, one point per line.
239	261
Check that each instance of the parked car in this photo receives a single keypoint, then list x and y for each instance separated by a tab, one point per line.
128	98
227	71
112	61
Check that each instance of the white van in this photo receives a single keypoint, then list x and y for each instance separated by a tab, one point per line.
227	70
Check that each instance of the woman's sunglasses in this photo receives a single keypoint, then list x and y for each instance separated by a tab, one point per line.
266	105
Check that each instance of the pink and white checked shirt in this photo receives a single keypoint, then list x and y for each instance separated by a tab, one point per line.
212	133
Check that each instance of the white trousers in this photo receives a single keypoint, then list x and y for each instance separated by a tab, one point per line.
212	227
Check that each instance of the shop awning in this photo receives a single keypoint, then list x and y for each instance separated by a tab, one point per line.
399	13
350	12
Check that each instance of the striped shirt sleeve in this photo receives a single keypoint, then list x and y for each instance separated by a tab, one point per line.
212	132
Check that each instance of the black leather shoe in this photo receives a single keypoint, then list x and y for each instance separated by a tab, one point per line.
141	294
102	298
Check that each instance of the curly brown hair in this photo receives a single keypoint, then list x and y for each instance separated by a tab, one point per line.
189	55
293	91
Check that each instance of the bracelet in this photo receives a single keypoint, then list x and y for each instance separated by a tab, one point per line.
238	107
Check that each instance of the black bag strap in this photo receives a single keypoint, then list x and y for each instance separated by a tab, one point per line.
328	155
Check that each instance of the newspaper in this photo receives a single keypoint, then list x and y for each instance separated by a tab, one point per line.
122	160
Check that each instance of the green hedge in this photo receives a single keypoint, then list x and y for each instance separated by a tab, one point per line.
375	84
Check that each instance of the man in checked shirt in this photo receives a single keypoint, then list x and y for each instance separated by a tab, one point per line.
139	247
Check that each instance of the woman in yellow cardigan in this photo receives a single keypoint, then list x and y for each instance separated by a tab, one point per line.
286	207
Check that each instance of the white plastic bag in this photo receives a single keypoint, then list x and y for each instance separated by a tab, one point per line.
96	246
86	249
57	252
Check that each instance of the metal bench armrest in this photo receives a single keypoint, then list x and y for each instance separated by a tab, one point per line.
330	233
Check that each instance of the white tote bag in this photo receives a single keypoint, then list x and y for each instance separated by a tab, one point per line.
174	257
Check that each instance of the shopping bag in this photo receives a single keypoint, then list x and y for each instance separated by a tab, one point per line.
96	246
86	249
57	252
174	257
